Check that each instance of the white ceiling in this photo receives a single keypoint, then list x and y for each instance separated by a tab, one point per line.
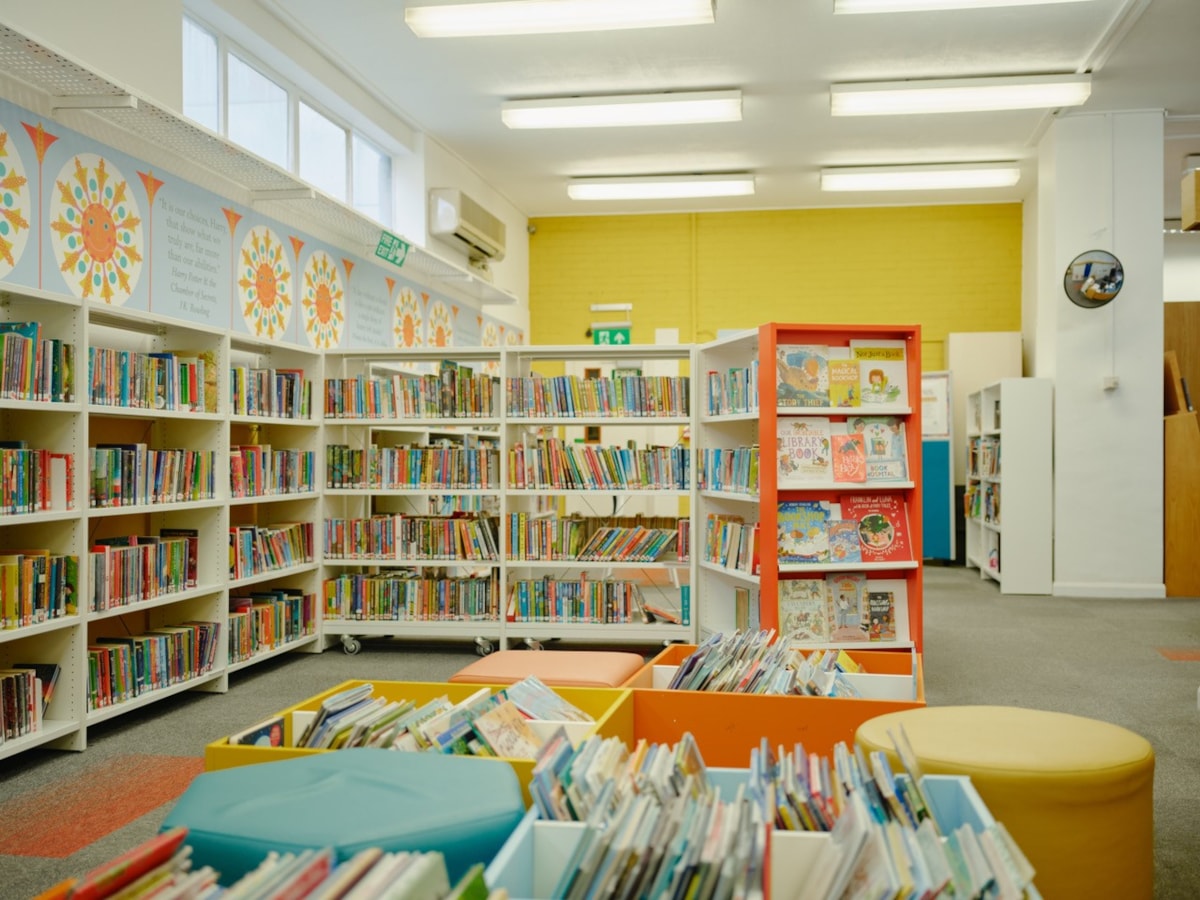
783	55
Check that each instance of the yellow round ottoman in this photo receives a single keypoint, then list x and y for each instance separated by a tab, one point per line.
1076	794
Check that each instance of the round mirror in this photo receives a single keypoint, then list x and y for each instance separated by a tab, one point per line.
1093	278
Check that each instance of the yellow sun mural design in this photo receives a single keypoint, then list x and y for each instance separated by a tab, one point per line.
407	319
441	327
14	202
97	230
265	285
324	302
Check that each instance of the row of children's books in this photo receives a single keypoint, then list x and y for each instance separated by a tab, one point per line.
732	391
867	372
656	822
33	366
460	536
421	468
556	465
621	395
257	470
254	549
170	381
843	607
123	667
135	474
34	480
731	542
578	601
399	595
639	538
133	568
25	693
455	391
162	868
36	586
277	393
733	469
266	619
859	528
813	450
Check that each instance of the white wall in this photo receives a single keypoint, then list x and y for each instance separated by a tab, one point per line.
1106	193
1181	267
135	43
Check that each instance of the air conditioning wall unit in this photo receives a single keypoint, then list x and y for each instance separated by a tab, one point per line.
453	214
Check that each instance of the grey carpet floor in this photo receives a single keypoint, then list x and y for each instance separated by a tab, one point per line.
1093	657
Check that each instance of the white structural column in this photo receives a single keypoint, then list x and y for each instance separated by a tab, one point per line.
1100	188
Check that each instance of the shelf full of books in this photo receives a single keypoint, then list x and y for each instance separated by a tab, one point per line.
1009	457
819	536
597	543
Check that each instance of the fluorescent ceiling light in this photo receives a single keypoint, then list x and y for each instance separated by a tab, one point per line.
633	109
887	98
845	7
550	16
661	187
917	178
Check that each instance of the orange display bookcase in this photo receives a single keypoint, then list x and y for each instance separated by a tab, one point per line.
612	709
727	726
771	336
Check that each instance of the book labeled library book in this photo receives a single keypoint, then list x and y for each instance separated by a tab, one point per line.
801	375
882	526
882	371
802	450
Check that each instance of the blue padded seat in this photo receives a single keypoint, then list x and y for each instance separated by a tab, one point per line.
349	800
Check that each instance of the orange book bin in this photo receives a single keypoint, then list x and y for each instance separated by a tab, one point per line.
727	726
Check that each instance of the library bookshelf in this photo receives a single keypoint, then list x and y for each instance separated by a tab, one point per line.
743	571
123	467
1010	421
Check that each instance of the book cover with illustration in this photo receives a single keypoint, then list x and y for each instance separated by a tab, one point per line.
802	450
803	610
844	546
845	383
882	371
801	375
884	446
882	526
881	614
848	606
848	452
802	533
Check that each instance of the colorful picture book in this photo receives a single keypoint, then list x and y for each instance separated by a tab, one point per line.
884	446
801	375
268	733
883	371
802	531
803	610
847	606
848	453
844	545
802	450
845	389
881	614
883	531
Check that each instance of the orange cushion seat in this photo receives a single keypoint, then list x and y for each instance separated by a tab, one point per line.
565	668
1076	794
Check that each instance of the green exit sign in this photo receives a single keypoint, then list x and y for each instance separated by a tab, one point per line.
392	248
617	336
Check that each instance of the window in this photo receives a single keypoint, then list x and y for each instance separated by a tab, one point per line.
258	112
372	189
223	89
322	152
201	77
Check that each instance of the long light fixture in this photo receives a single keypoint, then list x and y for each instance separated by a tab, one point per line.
661	187
686	107
889	98
923	177
848	7
554	16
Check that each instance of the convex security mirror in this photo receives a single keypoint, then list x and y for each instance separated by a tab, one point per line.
1093	278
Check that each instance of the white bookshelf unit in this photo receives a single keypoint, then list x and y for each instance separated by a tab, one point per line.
1009	484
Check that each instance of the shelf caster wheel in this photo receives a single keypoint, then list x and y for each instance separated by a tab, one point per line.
350	644
534	644
483	646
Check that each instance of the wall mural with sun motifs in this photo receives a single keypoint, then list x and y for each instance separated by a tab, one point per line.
83	219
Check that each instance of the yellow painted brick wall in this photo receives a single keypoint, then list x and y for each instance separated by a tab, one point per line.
946	268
